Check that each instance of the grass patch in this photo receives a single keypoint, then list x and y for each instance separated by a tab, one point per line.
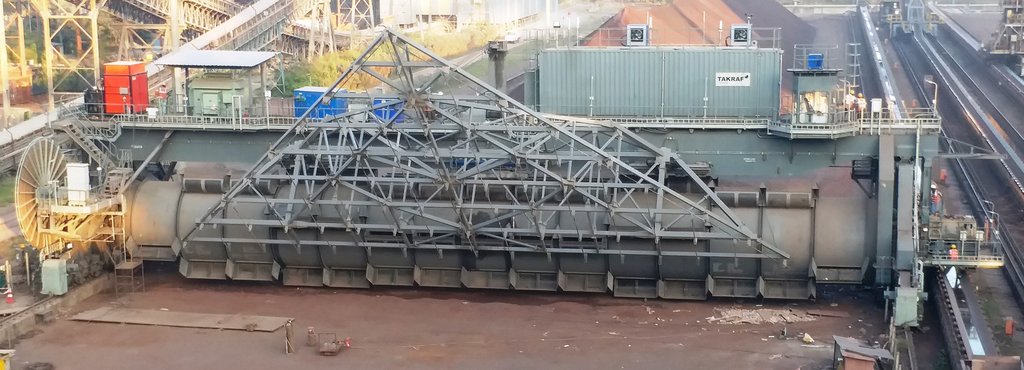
6	190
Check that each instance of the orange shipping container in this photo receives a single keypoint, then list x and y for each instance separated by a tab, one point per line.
124	68
125	94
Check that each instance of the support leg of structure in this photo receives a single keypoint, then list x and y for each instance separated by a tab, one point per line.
886	195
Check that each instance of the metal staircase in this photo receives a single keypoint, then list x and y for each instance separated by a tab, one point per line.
115	182
97	154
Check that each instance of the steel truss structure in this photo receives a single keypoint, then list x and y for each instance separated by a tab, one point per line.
135	40
69	73
1010	40
12	14
471	174
321	38
358	13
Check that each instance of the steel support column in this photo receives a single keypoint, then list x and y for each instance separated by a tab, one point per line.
358	13
886	197
135	40
12	32
5	78
321	35
69	73
1010	40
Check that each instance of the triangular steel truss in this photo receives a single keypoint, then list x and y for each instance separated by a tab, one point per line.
469	169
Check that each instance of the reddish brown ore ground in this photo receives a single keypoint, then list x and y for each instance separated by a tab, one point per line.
431	328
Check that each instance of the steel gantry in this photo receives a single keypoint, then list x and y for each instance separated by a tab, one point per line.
12	14
321	38
75	67
197	17
134	41
1010	39
477	173
358	13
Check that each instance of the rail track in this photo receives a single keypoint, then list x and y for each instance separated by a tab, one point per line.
980	100
980	113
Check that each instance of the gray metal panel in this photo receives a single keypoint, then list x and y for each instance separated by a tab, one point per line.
884	214
905	243
845	230
193	205
342	257
299	256
535	262
215	59
735	267
633	266
684	267
154	207
247	252
792	228
658	81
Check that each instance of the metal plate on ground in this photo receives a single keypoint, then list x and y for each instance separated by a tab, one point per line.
182	319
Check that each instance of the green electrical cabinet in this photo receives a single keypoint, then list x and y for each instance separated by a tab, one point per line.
54	275
219	95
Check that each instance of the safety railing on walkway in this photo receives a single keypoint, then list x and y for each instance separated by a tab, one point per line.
205	122
851	122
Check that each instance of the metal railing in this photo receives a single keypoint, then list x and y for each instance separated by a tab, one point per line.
765	37
205	122
850	122
600	109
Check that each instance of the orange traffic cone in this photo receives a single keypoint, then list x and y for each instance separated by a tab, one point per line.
10	297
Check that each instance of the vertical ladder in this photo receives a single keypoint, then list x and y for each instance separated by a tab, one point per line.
129	273
853	75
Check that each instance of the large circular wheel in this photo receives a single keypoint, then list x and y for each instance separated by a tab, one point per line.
42	169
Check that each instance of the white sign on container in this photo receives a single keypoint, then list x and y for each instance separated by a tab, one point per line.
732	79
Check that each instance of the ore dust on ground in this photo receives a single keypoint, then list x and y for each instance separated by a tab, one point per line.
437	328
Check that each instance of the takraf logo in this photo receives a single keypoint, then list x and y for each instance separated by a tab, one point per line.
732	79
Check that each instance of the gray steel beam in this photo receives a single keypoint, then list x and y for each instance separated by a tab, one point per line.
369	245
378	163
886	193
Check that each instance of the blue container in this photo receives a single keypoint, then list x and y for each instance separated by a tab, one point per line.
306	97
386	113
815	61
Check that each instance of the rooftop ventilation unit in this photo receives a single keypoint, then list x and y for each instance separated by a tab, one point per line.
637	35
741	35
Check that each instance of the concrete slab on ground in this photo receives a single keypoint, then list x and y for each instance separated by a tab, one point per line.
182	319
